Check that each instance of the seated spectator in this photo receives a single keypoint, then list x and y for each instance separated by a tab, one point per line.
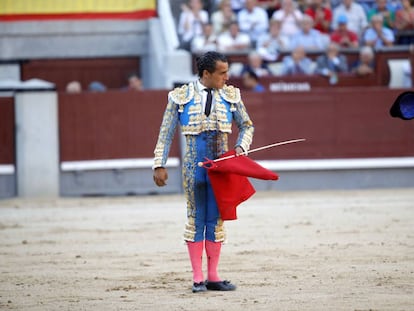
270	6
365	64
357	18
237	5
270	44
377	35
253	20
251	82
297	63
344	37
321	15
74	87
233	40
96	86
289	16
190	22
381	8
311	39
223	17
207	41
404	21
256	65
331	63
134	82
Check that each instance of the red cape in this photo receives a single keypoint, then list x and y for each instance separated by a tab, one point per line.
230	183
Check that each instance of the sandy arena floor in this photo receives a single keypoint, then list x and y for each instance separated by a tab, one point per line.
322	250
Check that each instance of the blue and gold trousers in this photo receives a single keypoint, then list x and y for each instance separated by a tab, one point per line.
203	218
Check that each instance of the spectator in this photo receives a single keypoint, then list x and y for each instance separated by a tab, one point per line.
357	19
134	82
237	5
365	64
251	82
297	63
331	63
204	42
381	8
270	6
377	35
233	40
311	39
269	45
256	65
223	17
96	86
289	16
190	22
344	37
74	87
253	20
321	15
404	21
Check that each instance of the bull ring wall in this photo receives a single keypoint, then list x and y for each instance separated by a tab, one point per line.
105	142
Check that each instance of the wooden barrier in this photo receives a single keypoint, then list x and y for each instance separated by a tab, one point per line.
336	123
315	81
111	125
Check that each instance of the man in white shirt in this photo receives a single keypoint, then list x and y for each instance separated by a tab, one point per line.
233	40
253	20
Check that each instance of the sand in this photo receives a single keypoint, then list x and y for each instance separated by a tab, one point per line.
320	250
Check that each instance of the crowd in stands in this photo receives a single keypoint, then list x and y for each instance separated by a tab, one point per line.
285	31
134	83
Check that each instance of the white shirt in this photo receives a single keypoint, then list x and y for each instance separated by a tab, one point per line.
195	26
226	41
254	23
200	88
289	24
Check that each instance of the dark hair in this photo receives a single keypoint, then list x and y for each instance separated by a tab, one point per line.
208	60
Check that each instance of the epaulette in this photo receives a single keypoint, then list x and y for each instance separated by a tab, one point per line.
183	94
231	93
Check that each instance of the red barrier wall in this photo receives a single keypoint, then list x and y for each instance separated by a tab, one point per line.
336	123
110	125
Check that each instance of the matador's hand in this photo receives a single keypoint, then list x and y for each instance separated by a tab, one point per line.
239	151
160	176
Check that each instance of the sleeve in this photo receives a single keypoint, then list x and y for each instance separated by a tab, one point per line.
166	134
245	126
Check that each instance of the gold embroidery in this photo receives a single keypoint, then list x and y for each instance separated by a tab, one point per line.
231	93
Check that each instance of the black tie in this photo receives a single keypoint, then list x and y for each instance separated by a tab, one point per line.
208	102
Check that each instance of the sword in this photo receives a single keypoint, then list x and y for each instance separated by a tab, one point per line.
200	164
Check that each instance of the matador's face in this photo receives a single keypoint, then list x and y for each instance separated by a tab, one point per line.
218	78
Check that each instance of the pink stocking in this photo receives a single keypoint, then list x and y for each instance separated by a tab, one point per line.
213	254
195	250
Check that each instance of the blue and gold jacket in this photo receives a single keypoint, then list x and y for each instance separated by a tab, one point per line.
185	107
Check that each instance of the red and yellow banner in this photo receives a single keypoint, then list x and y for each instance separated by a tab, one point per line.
25	10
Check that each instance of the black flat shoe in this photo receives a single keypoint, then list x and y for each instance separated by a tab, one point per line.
222	286
199	287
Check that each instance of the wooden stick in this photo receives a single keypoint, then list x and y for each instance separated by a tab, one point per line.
257	149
